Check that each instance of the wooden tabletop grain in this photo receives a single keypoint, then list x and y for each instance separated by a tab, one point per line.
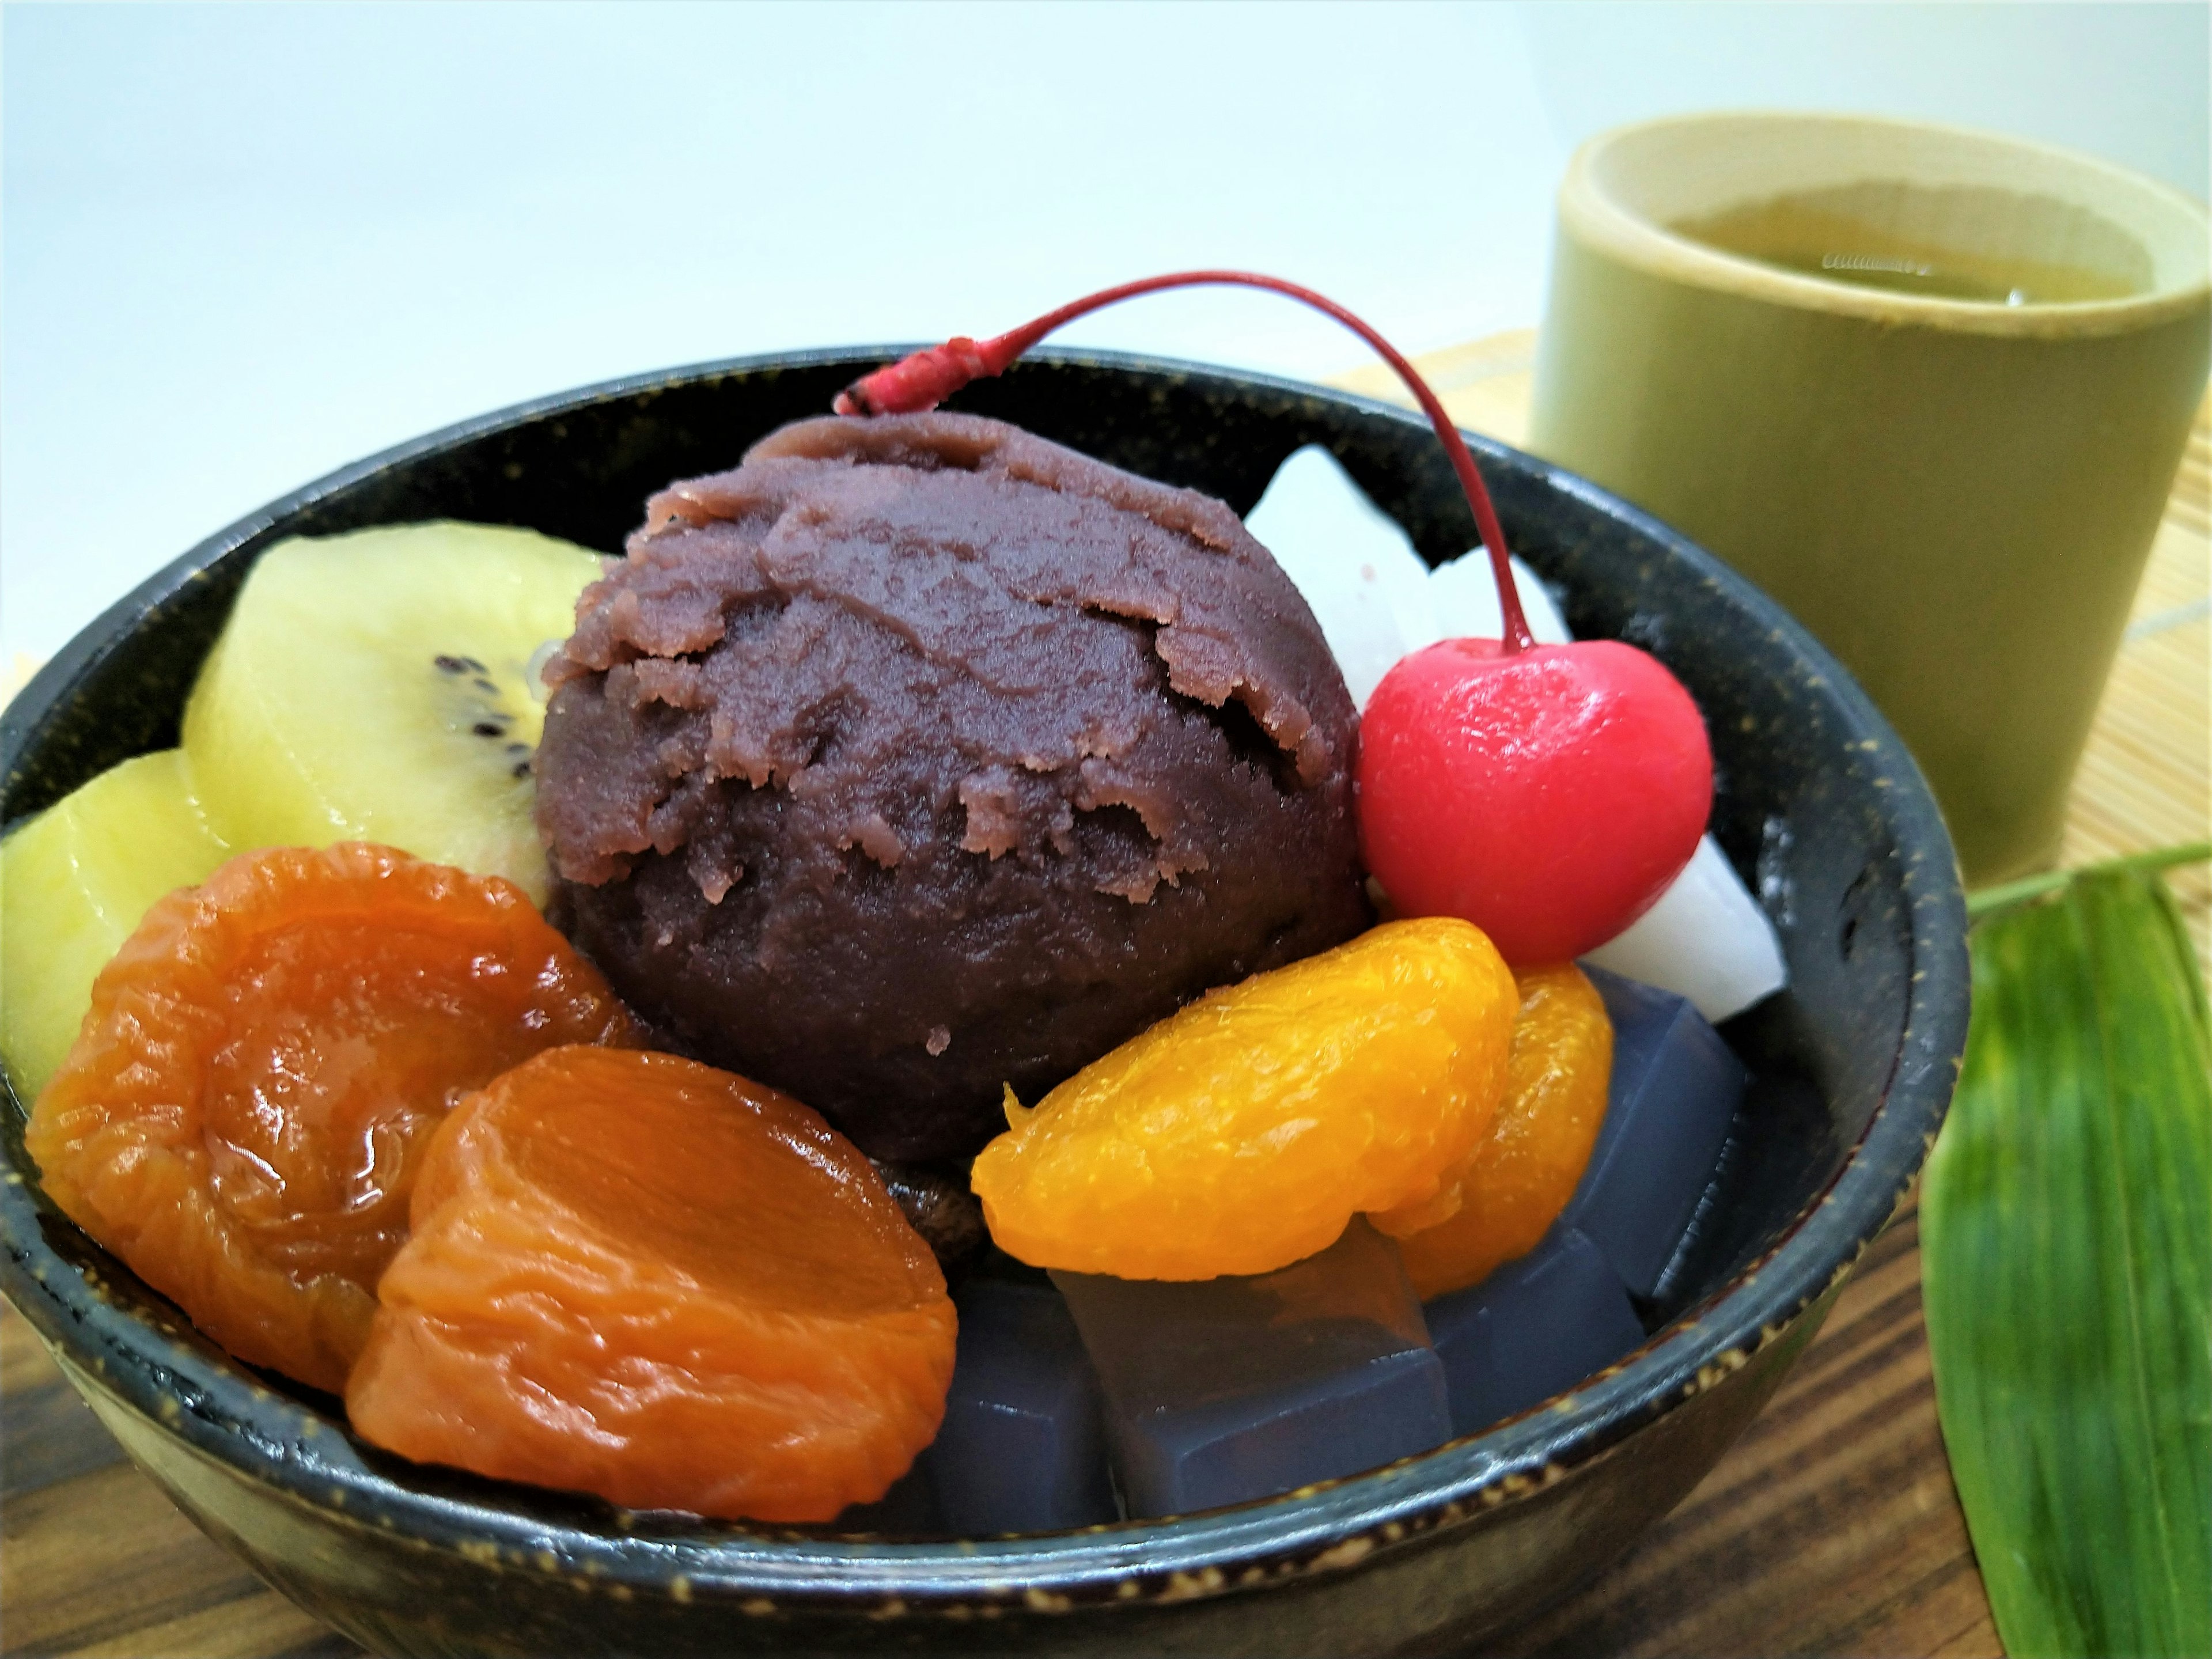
1832	1527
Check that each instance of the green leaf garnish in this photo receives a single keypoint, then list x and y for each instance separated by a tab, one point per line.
1985	901
2067	1267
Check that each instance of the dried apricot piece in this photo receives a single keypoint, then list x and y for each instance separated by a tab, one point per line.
1520	1176
1241	1134
638	1276
245	1108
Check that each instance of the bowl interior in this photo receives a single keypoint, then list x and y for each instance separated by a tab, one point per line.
1816	804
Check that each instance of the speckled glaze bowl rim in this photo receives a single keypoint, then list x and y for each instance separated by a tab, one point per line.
179	1384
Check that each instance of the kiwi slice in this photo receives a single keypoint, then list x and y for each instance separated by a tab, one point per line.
75	881
378	686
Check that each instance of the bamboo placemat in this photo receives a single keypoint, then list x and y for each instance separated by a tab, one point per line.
1831	1527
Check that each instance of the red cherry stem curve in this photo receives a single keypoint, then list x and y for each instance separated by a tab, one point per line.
928	377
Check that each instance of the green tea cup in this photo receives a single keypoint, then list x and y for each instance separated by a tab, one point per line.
1928	387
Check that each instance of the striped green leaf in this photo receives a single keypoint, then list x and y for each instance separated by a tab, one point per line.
2067	1264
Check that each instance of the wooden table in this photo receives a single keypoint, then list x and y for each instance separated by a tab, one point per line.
1831	1527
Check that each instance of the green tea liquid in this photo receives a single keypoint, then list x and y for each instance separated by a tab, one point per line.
1944	243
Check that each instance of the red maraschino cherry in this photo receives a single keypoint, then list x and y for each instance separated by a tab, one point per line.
1546	793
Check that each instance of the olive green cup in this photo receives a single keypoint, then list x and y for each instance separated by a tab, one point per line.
1957	495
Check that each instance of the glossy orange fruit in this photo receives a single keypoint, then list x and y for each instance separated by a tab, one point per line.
1241	1134
634	1275
243	1111
1520	1176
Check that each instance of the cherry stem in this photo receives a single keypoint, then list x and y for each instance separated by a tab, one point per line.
927	378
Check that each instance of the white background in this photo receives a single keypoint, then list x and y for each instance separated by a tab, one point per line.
246	244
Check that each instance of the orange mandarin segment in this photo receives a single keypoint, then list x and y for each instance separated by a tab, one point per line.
1243	1133
1520	1174
245	1108
634	1275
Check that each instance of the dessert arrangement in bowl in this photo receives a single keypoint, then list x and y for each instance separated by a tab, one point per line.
951	1051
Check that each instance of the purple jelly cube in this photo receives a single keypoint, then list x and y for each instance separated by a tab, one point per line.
1675	1086
1227	1389
1023	1444
910	1506
1533	1328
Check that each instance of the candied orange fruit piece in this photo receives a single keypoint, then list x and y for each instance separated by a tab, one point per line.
1244	1132
1520	1174
634	1275
242	1114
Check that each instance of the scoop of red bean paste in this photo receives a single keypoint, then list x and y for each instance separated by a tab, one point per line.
919	755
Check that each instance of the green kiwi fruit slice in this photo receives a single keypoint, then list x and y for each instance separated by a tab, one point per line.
75	881
378	686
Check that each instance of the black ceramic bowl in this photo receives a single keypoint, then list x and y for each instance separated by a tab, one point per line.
1816	802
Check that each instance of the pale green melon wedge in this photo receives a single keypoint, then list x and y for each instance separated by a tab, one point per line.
376	687
73	882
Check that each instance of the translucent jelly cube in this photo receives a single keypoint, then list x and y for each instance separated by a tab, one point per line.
1533	1328
1675	1086
1233	1389
1023	1444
